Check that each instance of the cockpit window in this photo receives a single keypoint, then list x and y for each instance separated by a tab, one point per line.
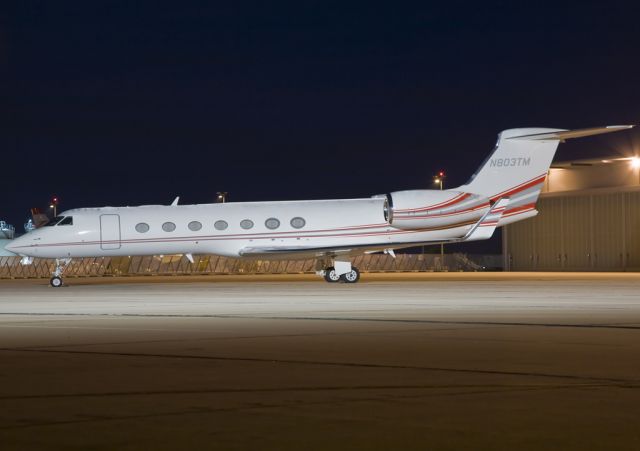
54	221
68	220
60	220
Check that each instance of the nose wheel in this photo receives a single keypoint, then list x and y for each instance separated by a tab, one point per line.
56	277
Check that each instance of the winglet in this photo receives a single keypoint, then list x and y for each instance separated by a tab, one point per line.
485	227
175	201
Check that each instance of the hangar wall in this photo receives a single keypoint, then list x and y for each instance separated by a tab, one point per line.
580	228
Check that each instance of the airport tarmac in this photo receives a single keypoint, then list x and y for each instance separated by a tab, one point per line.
398	361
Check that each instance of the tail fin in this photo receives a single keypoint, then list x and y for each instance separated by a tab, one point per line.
520	161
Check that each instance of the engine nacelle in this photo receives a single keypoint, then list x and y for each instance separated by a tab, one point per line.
419	209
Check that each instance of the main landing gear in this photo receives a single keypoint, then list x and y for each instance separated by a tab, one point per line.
330	275
56	278
340	272
352	276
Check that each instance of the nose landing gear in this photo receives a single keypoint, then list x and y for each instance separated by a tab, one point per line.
56	278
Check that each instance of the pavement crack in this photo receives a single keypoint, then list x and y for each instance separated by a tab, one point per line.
323	363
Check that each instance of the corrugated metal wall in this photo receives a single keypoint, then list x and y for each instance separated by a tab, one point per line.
578	232
631	204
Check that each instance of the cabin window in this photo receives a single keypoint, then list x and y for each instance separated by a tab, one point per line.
142	227
298	223
195	226
68	220
246	224
272	223
168	226
221	225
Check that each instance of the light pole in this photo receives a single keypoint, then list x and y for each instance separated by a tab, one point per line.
439	179
221	197
54	205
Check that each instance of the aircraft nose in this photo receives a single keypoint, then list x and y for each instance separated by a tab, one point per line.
10	247
14	246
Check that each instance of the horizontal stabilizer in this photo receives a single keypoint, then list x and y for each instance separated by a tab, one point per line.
568	134
485	227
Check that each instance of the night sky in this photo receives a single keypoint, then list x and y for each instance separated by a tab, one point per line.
126	103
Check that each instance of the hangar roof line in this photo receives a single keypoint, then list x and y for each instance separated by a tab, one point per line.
582	175
592	162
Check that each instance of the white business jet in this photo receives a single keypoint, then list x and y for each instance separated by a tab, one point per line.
503	190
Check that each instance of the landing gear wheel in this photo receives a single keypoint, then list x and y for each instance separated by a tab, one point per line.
56	276
352	276
330	275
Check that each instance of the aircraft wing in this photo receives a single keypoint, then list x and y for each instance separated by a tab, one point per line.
315	252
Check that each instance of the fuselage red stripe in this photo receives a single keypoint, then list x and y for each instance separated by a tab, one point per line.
462	196
442	215
459	198
520	209
535	181
222	238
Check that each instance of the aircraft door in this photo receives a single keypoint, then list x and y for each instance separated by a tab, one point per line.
110	232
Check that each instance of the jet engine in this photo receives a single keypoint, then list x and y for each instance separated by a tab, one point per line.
418	209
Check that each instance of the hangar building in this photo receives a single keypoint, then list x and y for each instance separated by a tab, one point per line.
589	220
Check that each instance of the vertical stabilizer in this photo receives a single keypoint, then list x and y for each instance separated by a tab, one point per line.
518	165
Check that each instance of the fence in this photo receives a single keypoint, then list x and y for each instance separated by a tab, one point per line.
10	267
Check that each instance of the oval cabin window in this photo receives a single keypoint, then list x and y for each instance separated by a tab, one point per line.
194	226
298	223
168	226
221	225
272	223
246	224
142	227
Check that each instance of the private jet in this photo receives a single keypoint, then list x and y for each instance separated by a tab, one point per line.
503	190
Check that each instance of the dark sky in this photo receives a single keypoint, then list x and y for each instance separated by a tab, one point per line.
125	103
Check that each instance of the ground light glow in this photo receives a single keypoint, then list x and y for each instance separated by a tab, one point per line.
282	362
